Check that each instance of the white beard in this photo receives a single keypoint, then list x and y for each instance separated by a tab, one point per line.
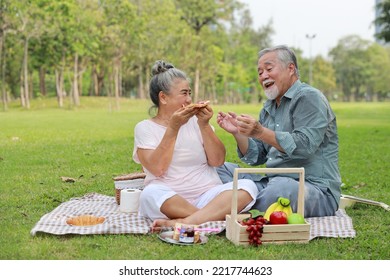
272	93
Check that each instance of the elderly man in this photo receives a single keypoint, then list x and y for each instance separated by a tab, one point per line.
296	128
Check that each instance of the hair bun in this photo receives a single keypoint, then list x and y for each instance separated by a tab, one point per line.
161	66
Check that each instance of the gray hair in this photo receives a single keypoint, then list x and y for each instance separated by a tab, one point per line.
163	76
285	55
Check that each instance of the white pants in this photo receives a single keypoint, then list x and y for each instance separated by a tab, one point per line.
153	196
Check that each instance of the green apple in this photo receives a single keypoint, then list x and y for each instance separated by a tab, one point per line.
295	218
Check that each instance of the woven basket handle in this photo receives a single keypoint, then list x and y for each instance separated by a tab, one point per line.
301	188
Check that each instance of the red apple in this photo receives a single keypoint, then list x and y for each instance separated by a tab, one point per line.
278	217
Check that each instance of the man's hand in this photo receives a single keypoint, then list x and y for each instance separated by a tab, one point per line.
228	122
249	126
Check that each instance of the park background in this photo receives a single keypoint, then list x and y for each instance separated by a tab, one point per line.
72	48
74	82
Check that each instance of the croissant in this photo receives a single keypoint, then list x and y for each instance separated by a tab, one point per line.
132	176
85	220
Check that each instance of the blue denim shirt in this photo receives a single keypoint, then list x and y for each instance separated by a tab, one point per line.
305	127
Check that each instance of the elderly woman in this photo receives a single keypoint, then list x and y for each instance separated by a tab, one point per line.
179	152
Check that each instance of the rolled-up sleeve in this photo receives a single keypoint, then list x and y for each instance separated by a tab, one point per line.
256	153
309	127
286	141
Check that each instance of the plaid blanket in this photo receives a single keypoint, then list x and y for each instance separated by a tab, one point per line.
118	222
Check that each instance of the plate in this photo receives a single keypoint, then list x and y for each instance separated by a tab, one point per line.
167	236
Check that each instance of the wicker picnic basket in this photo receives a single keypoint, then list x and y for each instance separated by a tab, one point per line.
129	181
289	233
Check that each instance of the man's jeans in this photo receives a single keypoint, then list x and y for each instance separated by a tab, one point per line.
317	203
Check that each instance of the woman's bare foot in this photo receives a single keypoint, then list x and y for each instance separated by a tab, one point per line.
159	224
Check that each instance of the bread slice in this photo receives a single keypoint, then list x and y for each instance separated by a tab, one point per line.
198	105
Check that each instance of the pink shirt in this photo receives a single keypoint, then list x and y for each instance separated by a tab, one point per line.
189	175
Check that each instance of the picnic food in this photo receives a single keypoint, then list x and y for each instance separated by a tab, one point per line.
278	218
198	105
186	233
282	204
295	218
131	176
254	229
85	220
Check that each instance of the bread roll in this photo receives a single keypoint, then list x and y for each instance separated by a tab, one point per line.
85	220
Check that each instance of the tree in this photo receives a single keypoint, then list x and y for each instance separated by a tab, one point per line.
239	72
7	25
121	36
324	76
116	41
198	14
160	33
378	63
31	26
383	20
350	64
58	44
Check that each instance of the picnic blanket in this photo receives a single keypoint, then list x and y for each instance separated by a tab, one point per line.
118	222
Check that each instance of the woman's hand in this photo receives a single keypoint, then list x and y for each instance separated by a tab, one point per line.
204	115
181	116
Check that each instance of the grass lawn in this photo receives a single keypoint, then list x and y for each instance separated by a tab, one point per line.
93	143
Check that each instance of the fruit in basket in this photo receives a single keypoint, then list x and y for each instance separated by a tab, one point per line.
295	218
282	204
277	218
254	228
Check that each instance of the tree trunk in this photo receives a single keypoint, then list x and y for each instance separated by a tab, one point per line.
25	76
141	92
2	64
59	73
375	97
120	78
75	85
100	81
116	82
109	90
80	82
214	92
42	83
59	90
352	97
95	81
146	87
22	97
196	85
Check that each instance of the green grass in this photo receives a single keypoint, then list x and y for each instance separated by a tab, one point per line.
94	142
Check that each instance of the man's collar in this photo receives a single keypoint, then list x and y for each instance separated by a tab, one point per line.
290	92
